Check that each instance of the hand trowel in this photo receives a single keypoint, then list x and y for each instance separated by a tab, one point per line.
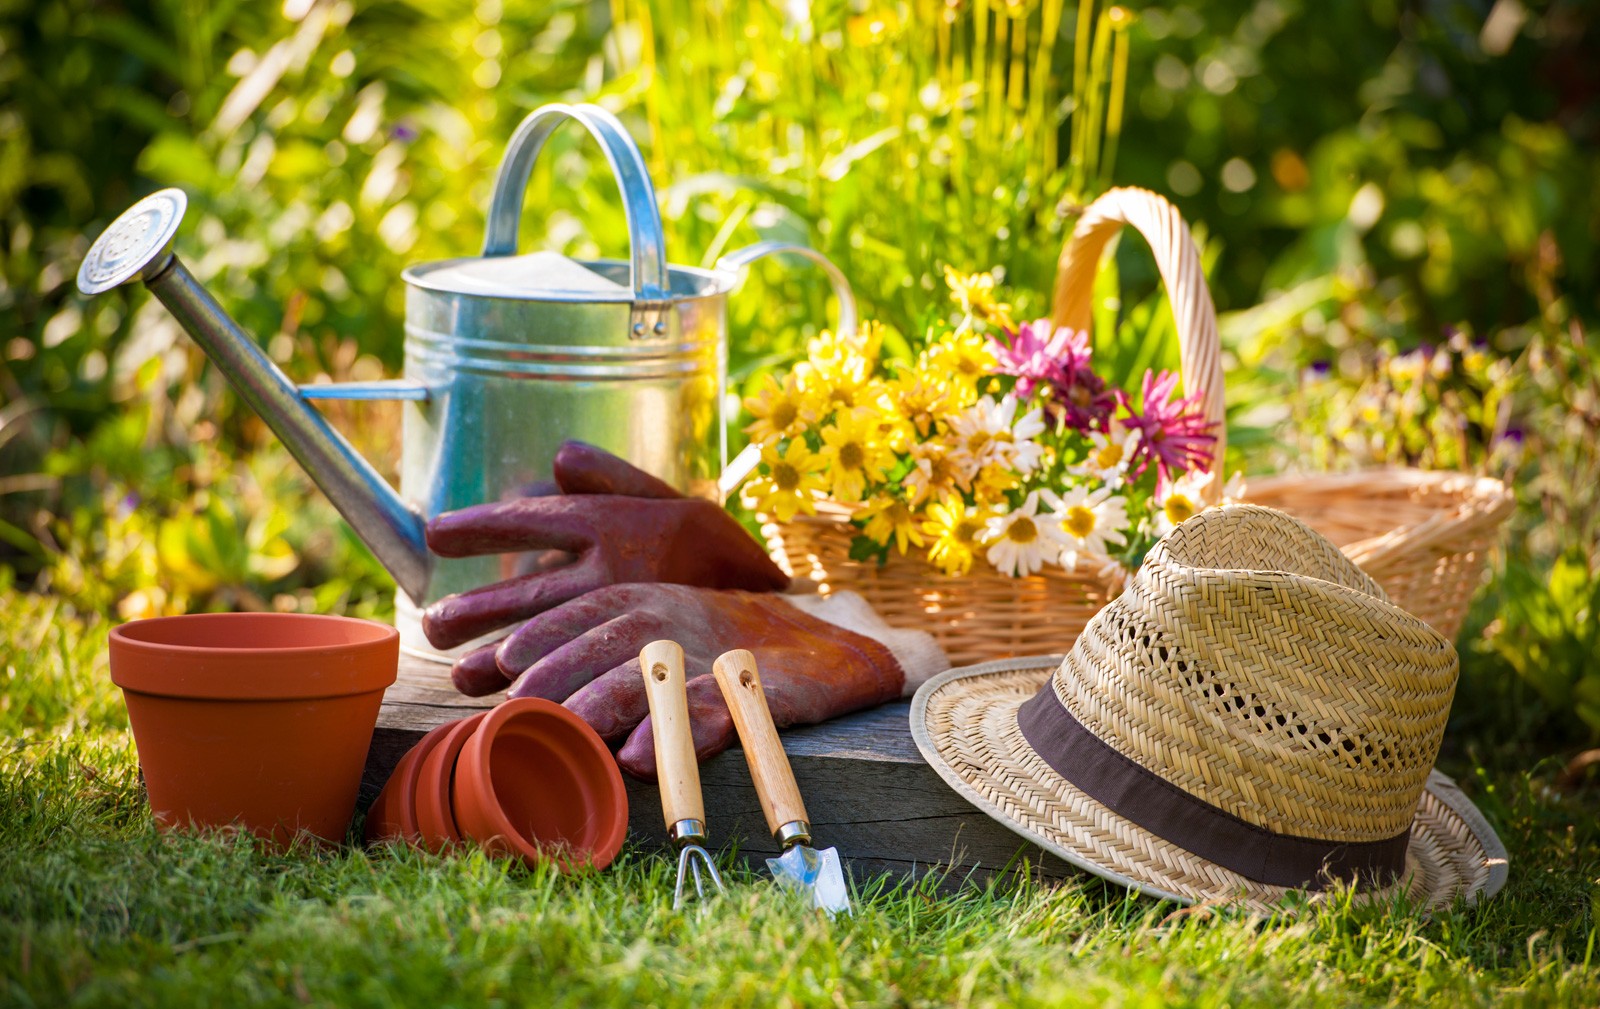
815	874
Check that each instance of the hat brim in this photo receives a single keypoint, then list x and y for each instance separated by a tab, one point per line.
965	724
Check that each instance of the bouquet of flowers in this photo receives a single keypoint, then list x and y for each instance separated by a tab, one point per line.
998	442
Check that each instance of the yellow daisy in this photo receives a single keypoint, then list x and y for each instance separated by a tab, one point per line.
842	383
965	358
975	293
891	518
829	346
921	399
854	455
992	482
780	410
958	535
791	483
894	433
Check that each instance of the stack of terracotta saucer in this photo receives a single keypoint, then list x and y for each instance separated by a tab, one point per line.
528	780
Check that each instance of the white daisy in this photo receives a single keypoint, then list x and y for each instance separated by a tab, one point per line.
1182	500
1025	454
1109	459
974	436
1022	541
984	434
1088	521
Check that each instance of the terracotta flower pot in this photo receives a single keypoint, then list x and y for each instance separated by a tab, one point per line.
535	782
436	821
393	815
256	719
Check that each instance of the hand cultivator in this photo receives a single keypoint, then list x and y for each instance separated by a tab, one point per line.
676	768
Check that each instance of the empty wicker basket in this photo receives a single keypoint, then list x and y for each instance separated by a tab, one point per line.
1423	536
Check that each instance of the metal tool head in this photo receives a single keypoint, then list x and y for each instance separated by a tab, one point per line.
136	245
690	858
815	874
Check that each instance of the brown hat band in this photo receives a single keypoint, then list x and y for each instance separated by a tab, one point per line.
1137	794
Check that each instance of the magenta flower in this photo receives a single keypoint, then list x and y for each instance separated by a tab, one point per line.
1174	434
1039	355
1033	354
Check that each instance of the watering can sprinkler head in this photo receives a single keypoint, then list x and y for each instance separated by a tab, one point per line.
138	246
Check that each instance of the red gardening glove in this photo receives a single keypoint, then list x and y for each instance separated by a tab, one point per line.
621	523
585	654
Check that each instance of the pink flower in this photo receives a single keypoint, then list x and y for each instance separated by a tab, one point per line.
1038	354
1173	434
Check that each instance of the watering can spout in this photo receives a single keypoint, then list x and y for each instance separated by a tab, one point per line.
138	246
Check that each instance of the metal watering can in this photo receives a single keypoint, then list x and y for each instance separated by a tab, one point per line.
506	356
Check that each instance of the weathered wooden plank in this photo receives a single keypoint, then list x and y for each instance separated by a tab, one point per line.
867	788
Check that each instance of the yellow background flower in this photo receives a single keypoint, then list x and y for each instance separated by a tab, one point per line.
975	293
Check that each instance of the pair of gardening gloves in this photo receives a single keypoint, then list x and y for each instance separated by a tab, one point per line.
624	559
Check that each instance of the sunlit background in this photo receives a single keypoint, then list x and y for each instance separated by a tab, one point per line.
1394	200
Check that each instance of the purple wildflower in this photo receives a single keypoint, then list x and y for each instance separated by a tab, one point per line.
1039	355
1172	433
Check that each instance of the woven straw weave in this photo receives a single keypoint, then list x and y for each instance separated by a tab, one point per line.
1423	536
1252	665
970	736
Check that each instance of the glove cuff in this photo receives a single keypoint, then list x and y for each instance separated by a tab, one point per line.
919	656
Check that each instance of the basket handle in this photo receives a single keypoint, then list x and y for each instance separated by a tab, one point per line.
1178	259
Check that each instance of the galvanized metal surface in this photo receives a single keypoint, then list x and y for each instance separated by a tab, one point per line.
137	244
510	379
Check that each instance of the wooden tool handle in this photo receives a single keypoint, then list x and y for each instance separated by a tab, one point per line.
769	765
676	768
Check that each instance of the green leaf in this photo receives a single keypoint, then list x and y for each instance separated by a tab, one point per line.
863	549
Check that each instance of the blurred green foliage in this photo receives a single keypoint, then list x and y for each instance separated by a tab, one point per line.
1362	176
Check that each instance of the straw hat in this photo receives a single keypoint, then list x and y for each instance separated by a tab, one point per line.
1251	716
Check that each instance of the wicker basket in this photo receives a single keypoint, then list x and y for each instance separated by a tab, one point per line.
1423	536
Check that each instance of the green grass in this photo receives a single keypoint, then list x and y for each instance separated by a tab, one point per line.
96	908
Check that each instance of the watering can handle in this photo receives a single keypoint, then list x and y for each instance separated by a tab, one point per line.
648	252
735	263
